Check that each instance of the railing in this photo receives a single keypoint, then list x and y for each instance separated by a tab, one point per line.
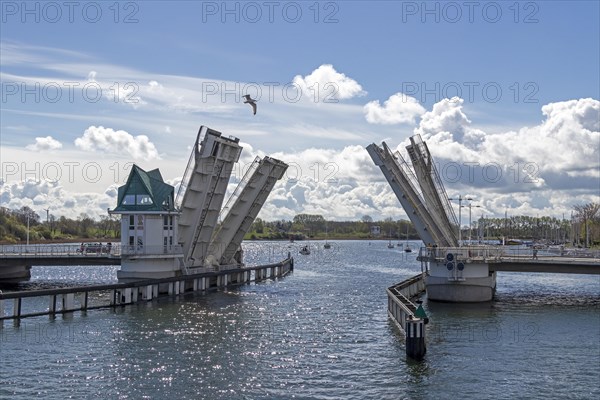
238	190
406	316
189	169
53	250
437	182
409	175
504	253
151	250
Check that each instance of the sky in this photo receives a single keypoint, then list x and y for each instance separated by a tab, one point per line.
506	95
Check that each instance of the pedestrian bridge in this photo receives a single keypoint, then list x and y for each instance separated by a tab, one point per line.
506	259
17	260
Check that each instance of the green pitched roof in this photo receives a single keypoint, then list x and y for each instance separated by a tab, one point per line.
145	191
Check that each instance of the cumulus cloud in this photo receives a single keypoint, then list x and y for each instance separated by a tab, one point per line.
98	138
398	109
47	143
542	169
340	184
325	84
42	195
566	141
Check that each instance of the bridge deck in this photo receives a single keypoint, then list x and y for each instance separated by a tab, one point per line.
55	255
561	265
501	259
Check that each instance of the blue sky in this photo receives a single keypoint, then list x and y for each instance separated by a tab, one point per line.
505	60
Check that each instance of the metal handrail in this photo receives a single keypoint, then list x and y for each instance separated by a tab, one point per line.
151	250
240	187
503	253
189	169
64	250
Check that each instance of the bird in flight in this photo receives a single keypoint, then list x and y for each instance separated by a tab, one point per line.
250	101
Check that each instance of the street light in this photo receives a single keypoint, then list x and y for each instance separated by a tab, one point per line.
460	199
470	205
27	229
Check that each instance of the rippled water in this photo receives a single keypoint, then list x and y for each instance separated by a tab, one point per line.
320	333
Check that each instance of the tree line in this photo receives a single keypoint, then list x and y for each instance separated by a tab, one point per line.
583	227
14	226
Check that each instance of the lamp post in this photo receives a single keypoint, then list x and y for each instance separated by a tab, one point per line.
27	229
460	200
470	205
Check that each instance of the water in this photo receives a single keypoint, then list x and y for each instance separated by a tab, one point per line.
320	333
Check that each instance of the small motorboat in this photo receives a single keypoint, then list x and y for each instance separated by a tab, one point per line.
305	250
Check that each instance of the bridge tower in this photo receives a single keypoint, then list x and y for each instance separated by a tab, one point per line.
149	223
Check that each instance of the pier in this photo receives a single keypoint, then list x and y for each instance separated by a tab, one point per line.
403	312
84	298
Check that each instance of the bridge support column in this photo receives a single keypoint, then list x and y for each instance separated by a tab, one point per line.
147	292
127	296
67	301
17	307
1	309
415	339
52	304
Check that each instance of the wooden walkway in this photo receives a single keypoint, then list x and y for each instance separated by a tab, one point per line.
83	298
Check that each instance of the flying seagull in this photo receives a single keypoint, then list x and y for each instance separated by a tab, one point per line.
250	101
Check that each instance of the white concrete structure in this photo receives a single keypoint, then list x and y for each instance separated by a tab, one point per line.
458	274
243	207
202	192
451	274
149	223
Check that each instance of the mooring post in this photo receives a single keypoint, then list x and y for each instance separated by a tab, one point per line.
415	338
17	307
1	309
52	305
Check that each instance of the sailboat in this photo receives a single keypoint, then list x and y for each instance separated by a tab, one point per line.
407	248
326	245
305	250
390	244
